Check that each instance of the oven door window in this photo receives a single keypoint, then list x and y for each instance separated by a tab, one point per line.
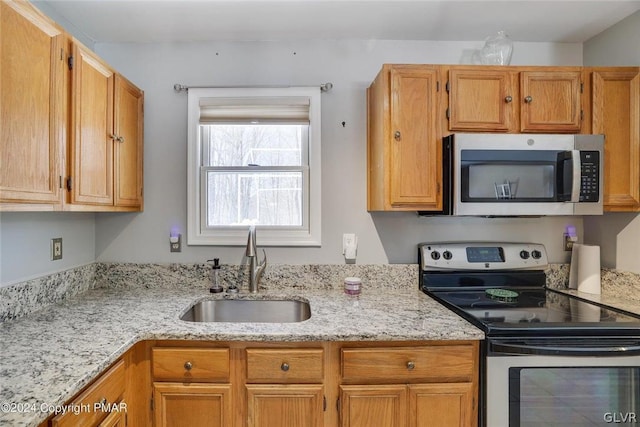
510	176
580	396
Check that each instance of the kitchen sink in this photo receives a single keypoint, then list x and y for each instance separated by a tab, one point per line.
248	311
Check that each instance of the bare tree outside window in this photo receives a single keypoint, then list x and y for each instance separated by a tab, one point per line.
254	174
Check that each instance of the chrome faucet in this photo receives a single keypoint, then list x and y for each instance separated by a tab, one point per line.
255	269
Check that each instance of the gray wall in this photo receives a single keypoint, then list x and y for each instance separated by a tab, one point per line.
350	66
618	234
25	243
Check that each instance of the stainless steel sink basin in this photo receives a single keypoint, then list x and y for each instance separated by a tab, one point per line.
248	311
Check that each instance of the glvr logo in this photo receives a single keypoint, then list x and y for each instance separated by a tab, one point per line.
620	417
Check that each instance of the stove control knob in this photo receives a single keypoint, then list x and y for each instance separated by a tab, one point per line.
435	255
447	255
524	254
536	254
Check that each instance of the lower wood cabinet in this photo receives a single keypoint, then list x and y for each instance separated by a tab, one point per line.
289	405
101	404
191	387
284	387
416	405
418	386
192	404
270	384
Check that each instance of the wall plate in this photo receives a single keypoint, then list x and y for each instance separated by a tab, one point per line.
56	249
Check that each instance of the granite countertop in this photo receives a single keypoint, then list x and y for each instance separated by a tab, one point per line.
50	355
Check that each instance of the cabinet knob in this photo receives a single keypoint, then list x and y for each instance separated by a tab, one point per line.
120	139
508	99
411	365
103	402
113	136
284	366
528	99
188	366
397	135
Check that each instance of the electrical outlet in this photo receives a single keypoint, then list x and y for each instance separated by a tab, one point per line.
175	243
56	249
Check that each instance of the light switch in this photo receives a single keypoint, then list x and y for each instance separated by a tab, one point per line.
349	246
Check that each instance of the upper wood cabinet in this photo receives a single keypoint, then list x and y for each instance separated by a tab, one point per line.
515	99
404	167
106	142
69	140
615	112
32	114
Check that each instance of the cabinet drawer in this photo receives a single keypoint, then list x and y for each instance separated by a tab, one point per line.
438	363
187	364
285	365
105	391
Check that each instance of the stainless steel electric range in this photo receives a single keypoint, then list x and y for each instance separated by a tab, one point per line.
549	358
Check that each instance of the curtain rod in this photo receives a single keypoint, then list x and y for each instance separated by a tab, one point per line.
324	87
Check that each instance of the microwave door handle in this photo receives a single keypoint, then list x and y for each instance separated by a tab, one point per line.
576	176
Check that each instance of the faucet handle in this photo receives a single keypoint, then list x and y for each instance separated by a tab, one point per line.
263	264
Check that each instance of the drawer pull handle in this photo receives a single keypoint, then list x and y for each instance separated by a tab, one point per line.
411	366
284	366
188	366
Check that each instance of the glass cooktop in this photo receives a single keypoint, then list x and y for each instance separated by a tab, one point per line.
510	310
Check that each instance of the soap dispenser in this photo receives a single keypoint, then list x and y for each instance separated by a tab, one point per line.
215	277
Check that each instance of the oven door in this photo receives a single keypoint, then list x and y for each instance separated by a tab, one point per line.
559	385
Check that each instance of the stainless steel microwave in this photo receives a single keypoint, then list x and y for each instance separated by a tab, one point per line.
522	174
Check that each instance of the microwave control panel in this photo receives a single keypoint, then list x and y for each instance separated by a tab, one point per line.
590	176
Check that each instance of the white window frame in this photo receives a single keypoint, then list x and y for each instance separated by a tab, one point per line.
197	233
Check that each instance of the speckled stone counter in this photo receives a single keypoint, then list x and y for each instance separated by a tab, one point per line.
49	355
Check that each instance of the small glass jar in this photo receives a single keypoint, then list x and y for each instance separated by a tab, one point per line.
352	286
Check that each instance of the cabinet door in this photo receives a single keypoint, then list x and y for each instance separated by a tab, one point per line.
114	419
128	148
285	405
616	114
442	405
373	406
32	61
481	100
192	404
92	130
414	156
550	101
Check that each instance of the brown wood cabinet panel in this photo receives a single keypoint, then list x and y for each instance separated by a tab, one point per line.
32	111
413	149
405	364
442	405
550	101
91	124
373	406
114	419
190	364
109	389
285	365
616	114
404	167
285	405
128	148
192	404
482	100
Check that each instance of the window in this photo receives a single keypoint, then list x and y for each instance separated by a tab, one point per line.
254	158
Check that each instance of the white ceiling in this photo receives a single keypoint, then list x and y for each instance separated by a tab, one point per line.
189	20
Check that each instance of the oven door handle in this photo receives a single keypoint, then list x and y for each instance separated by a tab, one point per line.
551	350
